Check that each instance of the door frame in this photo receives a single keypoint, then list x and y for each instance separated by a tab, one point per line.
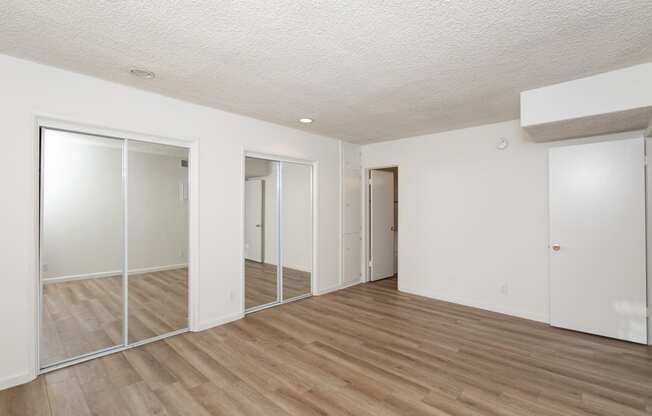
366	218
315	231
43	121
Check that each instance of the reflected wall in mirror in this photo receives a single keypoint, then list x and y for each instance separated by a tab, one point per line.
81	245
157	217
296	206
261	232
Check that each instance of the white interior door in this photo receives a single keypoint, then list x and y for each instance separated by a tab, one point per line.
254	220
597	239
382	224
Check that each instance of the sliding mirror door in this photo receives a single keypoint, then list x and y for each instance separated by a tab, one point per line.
296	208
82	245
157	218
277	193
261	233
113	243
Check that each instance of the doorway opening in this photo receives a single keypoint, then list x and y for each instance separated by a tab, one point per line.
382	201
278	230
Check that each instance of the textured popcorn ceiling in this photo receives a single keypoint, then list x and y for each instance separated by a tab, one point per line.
366	70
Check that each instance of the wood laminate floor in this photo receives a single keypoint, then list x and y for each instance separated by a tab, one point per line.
366	350
260	283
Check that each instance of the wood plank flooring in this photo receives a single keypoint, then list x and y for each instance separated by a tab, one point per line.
365	350
260	283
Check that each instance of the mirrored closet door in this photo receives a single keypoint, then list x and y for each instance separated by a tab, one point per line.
296	206
261	232
82	245
278	231
157	219
113	244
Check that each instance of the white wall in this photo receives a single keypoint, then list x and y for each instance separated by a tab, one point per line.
29	89
474	219
82	207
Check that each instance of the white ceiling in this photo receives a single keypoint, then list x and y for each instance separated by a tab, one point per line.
365	70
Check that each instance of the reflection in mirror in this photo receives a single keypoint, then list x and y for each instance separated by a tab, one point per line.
81	245
157	218
261	237
296	207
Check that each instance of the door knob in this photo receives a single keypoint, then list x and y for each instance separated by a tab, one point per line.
556	247
257	225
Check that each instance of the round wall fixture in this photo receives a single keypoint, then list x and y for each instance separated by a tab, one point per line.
305	120
502	144
141	73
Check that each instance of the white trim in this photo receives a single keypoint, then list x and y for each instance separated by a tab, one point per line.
37	284
193	236
280	233
243	184
116	143
74	126
338	287
211	323
98	275
314	190
479	304
276	158
340	223
125	242
15	380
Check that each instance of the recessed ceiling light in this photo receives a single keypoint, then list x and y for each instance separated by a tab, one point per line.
141	73
305	120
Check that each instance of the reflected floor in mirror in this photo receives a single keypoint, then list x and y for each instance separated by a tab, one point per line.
84	316
260	283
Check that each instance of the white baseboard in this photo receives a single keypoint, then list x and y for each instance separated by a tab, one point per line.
202	326
98	275
15	380
337	287
474	303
